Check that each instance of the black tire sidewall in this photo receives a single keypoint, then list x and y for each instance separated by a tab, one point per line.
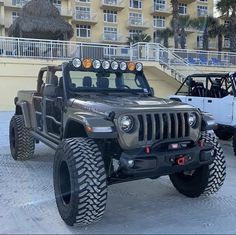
13	126
67	212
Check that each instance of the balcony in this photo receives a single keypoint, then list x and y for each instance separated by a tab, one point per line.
138	23
187	1
161	9
15	4
113	38
85	17
117	5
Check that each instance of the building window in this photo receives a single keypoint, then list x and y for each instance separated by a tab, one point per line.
202	10
110	16
14	15
226	23
83	31
83	13
159	21
199	41
135	18
135	4
134	32
16	2
183	9
84	0
226	42
159	5
110	34
57	4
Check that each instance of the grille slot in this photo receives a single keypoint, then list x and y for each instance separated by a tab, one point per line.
154	127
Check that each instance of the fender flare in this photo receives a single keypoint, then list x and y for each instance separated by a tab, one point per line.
24	107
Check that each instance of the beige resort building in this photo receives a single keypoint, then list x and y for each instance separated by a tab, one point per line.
113	21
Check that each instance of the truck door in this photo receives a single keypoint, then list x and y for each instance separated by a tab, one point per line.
38	100
195	101
52	102
220	108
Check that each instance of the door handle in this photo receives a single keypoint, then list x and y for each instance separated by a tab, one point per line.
189	99
209	101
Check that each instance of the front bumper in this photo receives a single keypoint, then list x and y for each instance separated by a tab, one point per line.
139	164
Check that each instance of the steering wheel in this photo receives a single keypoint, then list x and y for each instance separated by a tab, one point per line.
125	86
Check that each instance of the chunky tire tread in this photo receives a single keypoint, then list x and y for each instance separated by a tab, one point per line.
207	179
88	177
234	143
217	170
24	141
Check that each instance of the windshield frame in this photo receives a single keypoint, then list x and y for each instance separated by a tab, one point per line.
67	67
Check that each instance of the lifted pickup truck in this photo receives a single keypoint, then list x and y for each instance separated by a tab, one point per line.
107	127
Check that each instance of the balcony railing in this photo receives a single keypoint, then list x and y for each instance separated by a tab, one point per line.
137	22
85	16
161	8
113	3
113	37
65	50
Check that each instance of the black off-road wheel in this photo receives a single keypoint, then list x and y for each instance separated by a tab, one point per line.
234	143
205	180
22	143
223	135
80	181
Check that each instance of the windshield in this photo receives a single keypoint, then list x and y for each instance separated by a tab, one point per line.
106	81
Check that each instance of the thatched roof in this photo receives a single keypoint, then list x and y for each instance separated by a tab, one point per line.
40	19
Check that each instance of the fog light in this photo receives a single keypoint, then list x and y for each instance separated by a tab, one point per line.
131	163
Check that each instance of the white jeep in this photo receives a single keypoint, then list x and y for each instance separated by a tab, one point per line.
214	93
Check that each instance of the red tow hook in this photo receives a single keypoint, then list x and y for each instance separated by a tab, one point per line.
181	161
147	150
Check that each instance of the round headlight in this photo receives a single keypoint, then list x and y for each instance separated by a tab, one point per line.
106	64
139	67
76	62
192	119
114	65
127	123
123	66
97	64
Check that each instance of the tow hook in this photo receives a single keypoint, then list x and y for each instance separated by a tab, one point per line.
181	161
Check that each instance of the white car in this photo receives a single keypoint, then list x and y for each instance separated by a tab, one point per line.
215	94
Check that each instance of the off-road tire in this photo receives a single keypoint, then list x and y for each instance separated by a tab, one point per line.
22	143
223	135
80	181
234	143
206	179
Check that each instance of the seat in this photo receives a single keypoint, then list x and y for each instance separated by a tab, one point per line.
198	89
87	81
102	82
216	90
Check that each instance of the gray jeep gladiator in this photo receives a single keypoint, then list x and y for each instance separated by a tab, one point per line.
107	127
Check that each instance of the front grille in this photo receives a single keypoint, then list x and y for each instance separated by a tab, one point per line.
161	126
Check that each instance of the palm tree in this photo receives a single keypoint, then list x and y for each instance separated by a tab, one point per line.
184	23
164	35
228	9
204	24
218	31
175	16
139	37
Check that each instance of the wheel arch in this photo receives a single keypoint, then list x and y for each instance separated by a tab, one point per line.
22	108
74	128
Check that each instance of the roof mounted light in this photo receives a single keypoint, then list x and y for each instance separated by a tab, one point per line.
114	65
131	66
123	66
97	64
76	62
106	64
139	67
87	63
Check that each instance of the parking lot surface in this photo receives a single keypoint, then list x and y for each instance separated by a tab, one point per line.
27	203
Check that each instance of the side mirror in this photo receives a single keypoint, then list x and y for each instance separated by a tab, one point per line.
152	91
49	90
